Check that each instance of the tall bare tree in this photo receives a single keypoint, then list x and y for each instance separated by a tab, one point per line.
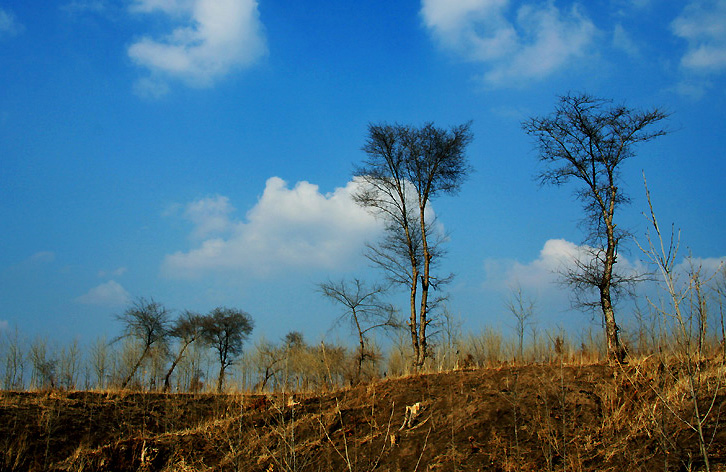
363	309
147	322
404	169
587	139
226	330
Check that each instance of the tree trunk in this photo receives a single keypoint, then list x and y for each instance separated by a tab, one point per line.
136	367
423	309
268	375
220	380
422	324
361	356
413	323
616	352
167	378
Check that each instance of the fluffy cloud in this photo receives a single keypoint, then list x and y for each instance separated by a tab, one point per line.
110	293
213	38
4	325
556	257
703	25
9	26
288	227
542	275
540	39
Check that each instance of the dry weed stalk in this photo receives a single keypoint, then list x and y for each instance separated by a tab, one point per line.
663	257
387	435
423	449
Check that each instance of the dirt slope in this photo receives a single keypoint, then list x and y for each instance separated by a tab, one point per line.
524	418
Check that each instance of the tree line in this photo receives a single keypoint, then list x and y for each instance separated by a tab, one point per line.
223	329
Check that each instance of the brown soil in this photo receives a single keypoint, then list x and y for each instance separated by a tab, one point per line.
512	418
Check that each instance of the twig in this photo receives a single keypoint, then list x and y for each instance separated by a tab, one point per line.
388	431
345	457
424	447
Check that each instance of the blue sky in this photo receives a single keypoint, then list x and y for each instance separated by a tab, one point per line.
200	151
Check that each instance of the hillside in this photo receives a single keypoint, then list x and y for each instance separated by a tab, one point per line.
539	417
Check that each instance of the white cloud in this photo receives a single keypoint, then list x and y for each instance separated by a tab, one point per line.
148	87
210	216
557	256
710	265
625	8
214	37
110	293
9	25
703	25
539	41
476	28
708	268
623	41
288	227
692	89
171	7
43	257
4	325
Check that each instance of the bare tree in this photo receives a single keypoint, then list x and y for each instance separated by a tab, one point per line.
450	332
226	329
14	362
523	311
297	360
187	329
69	363
364	310
99	361
145	321
721	297
269	360
45	365
294	340
404	169
587	139
698	306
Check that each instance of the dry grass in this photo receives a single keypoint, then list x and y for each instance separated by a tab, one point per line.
567	415
551	418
